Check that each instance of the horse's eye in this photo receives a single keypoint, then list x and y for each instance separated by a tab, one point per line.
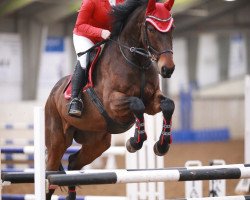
151	29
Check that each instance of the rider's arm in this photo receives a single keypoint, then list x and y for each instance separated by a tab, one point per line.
85	14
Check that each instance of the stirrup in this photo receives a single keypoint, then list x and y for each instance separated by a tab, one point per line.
75	107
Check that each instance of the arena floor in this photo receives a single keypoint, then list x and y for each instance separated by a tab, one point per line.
232	152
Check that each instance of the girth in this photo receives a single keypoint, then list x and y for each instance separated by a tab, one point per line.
113	127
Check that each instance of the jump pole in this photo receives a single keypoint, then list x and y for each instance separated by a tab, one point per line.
39	153
29	150
221	198
55	197
244	185
236	171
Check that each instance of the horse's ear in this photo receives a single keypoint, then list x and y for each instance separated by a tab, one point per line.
151	6
169	4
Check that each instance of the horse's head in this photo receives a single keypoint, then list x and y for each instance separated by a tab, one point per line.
145	31
157	35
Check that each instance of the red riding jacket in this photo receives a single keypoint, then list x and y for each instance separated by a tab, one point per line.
92	18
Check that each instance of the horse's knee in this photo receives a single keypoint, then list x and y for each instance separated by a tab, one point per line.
167	106
136	105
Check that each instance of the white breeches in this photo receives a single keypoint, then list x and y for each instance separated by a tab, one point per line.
82	44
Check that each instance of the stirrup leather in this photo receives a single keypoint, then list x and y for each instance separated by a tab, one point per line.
75	107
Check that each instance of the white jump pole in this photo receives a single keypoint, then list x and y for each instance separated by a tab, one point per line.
39	153
244	185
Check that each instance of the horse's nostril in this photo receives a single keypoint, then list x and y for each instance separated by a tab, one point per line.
166	72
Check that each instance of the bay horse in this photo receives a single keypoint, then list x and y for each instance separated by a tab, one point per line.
125	85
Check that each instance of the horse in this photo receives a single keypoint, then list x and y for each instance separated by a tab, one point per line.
125	85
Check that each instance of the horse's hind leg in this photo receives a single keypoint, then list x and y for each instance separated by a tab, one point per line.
86	155
55	143
135	143
53	164
54	157
72	188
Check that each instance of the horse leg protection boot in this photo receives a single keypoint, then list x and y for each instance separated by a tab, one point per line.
78	81
138	108
161	147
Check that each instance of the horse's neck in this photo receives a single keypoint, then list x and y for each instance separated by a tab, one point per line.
112	57
129	36
131	33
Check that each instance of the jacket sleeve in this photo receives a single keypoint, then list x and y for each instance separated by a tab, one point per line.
84	15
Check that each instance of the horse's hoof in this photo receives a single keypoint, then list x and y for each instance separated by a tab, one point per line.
129	147
160	151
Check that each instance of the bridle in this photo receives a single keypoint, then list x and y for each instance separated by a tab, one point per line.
134	50
150	52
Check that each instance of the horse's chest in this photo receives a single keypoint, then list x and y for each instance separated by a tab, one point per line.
147	91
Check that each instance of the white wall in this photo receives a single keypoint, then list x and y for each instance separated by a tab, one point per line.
237	57
10	67
208	60
54	65
179	78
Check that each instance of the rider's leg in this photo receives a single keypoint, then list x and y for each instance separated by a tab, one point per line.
78	81
79	78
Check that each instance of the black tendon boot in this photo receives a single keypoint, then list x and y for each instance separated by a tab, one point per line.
78	81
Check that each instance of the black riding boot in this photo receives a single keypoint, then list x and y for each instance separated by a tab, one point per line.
79	80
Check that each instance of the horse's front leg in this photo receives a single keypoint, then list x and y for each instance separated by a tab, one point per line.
135	143
166	105
122	105
161	147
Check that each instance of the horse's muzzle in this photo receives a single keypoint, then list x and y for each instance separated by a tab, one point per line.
167	72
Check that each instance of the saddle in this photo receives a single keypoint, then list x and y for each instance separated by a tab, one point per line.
93	57
112	125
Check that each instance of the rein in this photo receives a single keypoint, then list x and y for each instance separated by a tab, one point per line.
136	50
93	47
139	51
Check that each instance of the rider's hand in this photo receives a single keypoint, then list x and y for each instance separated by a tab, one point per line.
105	34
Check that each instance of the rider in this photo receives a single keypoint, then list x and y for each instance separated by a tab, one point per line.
93	25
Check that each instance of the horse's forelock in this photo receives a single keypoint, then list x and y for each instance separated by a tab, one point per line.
121	12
